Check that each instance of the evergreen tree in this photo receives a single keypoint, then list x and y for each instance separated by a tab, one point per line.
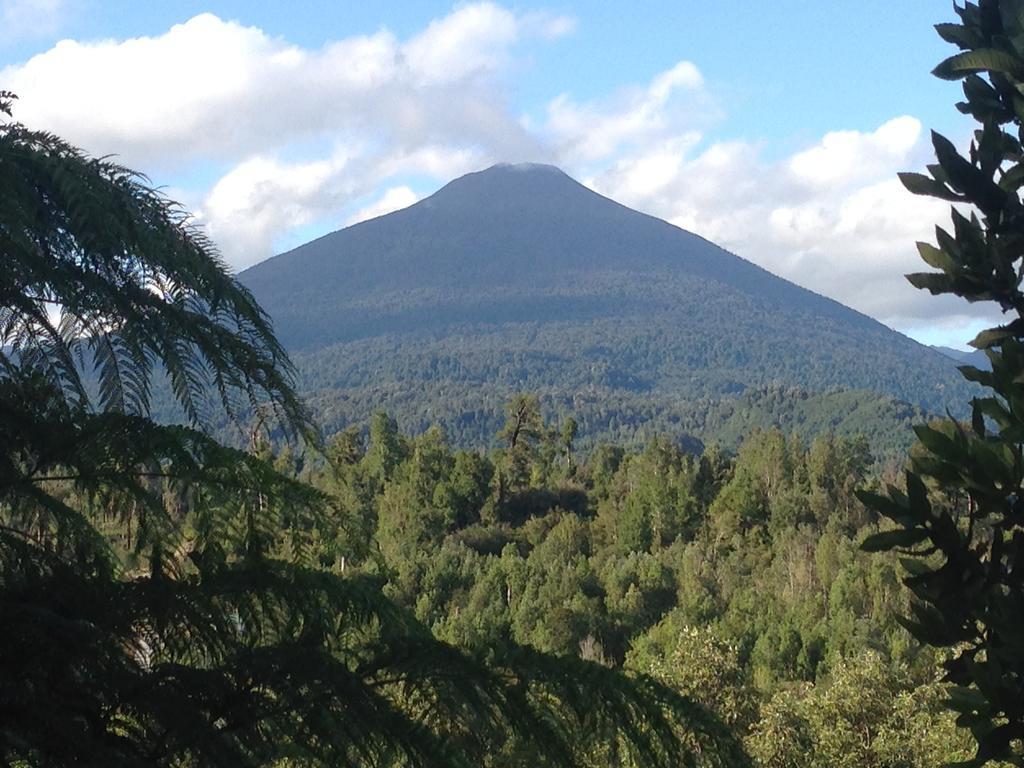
567	439
524	426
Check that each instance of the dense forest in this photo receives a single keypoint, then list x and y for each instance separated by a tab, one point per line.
471	418
736	580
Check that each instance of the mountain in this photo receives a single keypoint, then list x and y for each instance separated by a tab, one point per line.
520	278
975	357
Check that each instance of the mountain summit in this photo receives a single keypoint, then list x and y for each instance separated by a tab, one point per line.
519	277
484	244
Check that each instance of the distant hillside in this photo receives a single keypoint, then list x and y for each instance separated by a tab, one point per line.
975	357
473	416
519	278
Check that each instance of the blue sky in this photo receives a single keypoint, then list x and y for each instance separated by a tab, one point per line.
772	127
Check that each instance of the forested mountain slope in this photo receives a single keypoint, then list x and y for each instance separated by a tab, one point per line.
520	278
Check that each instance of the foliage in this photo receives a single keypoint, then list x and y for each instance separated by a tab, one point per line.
866	714
169	601
756	601
97	263
958	523
699	664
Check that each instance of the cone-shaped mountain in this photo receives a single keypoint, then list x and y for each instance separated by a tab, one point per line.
519	277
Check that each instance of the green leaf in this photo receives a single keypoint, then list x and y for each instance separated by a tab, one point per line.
1011	14
915	566
1012	179
900	537
919	184
979	92
967	700
996	744
936	442
931	281
980	60
958	35
964	177
990	338
971	373
917	494
883	505
935	257
977	418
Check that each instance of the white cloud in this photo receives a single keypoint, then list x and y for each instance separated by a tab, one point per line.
152	99
393	199
463	43
26	19
547	25
647	175
683	75
261	198
475	40
441	162
594	131
210	88
842	156
831	217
